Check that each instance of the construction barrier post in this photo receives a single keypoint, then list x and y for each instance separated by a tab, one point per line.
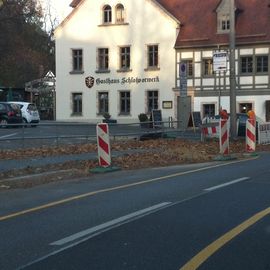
250	135
209	130
103	141
224	137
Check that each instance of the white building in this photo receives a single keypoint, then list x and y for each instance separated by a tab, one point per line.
115	58
122	57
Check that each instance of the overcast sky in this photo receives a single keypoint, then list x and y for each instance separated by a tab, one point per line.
59	8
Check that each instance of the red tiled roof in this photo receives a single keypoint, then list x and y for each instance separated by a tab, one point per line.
198	20
74	3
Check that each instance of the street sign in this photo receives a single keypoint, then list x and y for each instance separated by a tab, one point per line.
183	79
219	61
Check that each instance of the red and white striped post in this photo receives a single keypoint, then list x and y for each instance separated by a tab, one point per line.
103	141
210	131
250	135
224	137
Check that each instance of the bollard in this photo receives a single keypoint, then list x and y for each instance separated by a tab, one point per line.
224	137
250	135
103	141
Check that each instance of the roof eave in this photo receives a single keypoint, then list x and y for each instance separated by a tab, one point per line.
166	12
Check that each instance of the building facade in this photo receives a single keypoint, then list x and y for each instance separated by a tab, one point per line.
115	58
198	40
123	58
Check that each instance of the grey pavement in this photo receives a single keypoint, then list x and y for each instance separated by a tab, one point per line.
7	165
17	164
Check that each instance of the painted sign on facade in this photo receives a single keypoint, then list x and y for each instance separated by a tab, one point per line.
91	81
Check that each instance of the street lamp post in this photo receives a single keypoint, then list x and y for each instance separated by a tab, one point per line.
232	72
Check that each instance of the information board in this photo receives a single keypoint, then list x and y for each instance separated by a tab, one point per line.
156	118
219	61
196	119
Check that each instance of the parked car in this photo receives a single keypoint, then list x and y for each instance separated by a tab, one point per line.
10	114
29	111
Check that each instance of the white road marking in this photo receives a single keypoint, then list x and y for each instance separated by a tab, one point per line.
227	184
110	224
9	135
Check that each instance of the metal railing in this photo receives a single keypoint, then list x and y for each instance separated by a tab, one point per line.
15	136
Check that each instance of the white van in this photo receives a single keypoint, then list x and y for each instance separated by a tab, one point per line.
29	111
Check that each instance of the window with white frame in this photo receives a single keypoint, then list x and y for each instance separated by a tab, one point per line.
152	56
120	13
76	103
223	23
103	59
189	67
208	67
254	64
124	58
124	102
246	64
107	14
262	64
77	60
152	100
103	102
208	110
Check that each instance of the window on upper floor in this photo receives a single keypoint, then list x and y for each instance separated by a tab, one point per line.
262	64
103	60
152	57
120	13
246	64
223	23
258	64
124	54
208	67
77	60
189	67
107	14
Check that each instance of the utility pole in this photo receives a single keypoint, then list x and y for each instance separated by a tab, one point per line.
232	72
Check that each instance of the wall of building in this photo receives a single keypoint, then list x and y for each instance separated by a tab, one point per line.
84	30
252	88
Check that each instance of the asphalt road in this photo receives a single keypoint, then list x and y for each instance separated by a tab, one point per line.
200	216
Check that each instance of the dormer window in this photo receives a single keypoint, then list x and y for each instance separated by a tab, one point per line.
223	23
120	13
107	14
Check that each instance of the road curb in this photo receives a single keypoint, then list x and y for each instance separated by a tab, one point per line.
224	158
252	154
105	169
